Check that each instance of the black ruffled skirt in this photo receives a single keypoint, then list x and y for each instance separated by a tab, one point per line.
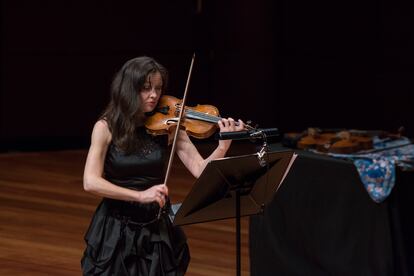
124	239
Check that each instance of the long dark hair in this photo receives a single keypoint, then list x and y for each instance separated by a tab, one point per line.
123	113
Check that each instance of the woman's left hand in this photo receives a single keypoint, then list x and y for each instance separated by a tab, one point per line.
227	125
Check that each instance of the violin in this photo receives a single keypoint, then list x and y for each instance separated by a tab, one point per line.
344	142
339	141
200	121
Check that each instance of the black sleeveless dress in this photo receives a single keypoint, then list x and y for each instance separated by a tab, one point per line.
126	238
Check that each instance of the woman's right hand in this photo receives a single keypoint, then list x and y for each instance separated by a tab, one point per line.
157	193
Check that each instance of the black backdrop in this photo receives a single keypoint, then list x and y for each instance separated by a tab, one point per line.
285	64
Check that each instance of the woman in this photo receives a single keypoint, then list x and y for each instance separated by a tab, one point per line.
126	166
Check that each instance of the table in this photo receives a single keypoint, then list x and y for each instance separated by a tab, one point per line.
323	222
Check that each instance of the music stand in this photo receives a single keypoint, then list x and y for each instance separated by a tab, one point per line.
233	187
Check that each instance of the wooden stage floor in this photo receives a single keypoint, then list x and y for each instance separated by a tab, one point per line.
44	213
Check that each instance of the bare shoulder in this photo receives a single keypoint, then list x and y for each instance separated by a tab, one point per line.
101	133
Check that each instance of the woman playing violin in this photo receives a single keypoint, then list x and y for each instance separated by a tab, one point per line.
125	167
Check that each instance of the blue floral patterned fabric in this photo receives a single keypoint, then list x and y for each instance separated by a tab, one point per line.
377	167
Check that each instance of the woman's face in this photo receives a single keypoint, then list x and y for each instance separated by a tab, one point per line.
151	92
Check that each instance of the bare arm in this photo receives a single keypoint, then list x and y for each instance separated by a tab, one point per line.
190	156
94	182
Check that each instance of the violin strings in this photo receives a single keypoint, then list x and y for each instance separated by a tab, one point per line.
190	116
207	117
211	118
202	116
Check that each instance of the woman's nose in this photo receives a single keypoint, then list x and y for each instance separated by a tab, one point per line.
153	93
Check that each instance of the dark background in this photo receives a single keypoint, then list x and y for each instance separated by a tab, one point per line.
279	63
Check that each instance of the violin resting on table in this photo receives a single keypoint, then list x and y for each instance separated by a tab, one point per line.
339	141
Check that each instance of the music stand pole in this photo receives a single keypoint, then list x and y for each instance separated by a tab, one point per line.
238	236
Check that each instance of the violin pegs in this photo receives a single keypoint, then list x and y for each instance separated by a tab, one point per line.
249	125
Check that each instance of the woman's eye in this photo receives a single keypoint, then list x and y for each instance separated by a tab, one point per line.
148	88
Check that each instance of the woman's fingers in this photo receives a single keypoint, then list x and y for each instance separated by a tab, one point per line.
232	124
240	126
225	122
162	189
161	201
158	193
227	125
